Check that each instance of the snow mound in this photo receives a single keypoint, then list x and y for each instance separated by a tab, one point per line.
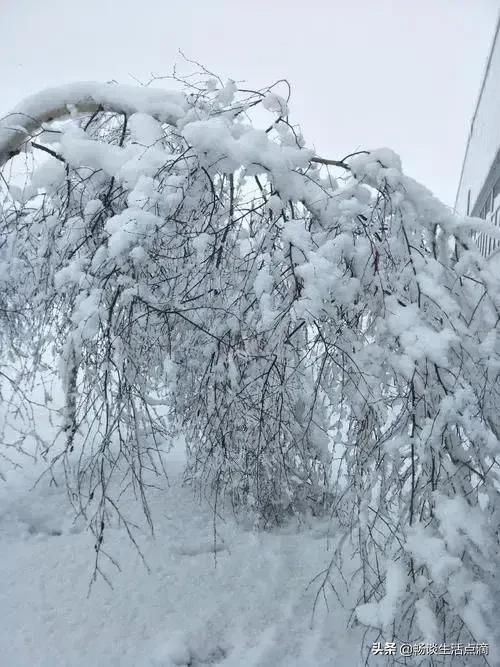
246	603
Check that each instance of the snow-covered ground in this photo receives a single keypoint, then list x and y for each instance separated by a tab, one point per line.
249	606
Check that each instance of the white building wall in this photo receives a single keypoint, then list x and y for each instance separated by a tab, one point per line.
483	145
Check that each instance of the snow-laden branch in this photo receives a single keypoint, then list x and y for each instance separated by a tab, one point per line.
84	97
324	346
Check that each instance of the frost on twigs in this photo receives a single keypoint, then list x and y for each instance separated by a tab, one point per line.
323	333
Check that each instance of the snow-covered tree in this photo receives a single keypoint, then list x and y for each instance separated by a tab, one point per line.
323	333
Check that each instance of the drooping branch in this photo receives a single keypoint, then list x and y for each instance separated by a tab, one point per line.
312	339
84	97
89	97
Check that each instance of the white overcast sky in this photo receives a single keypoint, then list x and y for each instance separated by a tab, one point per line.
365	73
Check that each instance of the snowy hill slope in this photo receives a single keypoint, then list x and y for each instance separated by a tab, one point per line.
250	606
